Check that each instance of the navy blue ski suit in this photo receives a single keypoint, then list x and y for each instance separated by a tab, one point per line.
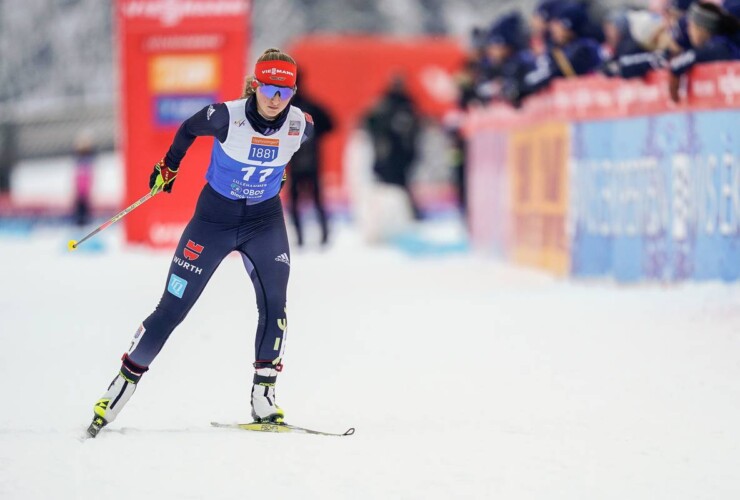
235	212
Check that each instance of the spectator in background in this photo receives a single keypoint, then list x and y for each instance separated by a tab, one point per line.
675	14
632	37
732	7
661	42
467	81
394	125
544	13
539	25
676	9
509	59
305	166
596	14
572	54
713	35
83	176
476	69
478	37
8	154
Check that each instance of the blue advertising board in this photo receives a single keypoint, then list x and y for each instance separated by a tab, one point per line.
657	197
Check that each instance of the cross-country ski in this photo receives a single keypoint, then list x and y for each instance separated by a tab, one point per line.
280	428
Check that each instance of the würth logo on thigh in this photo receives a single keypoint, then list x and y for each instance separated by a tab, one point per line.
192	250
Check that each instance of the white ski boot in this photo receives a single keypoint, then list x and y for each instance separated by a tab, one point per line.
264	407
115	398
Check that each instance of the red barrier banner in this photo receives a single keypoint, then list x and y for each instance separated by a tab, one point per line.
715	86
709	86
174	59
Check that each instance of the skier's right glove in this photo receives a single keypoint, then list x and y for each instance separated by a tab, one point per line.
162	178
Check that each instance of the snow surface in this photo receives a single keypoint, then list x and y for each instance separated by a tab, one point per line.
465	378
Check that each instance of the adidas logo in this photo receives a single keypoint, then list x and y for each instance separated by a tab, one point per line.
283	257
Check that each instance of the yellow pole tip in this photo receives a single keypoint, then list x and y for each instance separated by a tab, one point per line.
72	245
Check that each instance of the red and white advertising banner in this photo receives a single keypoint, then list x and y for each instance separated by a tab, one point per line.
175	57
710	86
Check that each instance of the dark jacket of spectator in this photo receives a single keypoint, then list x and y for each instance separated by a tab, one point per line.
732	7
541	17
630	57
509	59
571	53
394	126
713	34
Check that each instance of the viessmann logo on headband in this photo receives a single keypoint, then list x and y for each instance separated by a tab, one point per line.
276	72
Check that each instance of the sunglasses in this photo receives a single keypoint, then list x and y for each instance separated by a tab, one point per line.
269	91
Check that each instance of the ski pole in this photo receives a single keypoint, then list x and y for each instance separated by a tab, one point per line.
72	244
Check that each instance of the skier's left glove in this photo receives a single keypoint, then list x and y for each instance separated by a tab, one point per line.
162	178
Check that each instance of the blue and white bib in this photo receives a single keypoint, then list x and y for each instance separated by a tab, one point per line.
248	165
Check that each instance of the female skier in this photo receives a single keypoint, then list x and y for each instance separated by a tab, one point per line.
238	209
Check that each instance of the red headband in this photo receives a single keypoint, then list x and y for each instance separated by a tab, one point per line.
282	73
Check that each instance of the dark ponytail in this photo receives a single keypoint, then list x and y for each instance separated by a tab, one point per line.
713	18
730	24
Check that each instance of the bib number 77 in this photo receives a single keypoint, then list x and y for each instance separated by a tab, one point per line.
264	173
